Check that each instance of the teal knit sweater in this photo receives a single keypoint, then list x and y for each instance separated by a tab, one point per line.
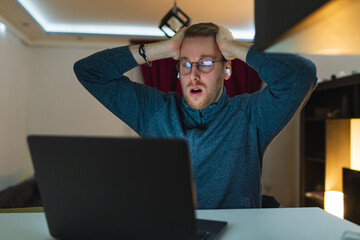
227	140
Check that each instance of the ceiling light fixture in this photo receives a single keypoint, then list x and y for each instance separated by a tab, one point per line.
2	27
33	8
126	30
246	35
173	21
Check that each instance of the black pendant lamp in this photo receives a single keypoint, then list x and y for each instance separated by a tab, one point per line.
173	21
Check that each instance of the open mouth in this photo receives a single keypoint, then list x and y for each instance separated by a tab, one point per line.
195	91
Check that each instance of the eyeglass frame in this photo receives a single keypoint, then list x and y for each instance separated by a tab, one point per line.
197	65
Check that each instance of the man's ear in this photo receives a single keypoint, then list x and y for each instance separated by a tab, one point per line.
227	69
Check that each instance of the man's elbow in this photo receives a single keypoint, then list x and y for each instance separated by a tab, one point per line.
79	70
307	73
77	66
310	69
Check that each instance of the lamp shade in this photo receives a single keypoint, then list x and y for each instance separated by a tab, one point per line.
173	21
325	27
342	150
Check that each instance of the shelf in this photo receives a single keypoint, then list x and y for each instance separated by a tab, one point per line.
315	159
324	119
316	196
339	82
332	100
315	119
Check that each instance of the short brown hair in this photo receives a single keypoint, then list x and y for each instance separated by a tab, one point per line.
202	30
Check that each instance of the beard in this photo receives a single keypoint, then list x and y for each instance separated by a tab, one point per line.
208	97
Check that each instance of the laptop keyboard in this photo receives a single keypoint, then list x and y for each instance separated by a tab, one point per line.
203	235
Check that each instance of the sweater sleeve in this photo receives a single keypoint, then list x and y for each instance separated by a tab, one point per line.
290	80
102	75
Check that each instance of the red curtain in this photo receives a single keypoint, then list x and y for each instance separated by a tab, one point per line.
243	79
163	76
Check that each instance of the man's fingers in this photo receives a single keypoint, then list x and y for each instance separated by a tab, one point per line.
176	42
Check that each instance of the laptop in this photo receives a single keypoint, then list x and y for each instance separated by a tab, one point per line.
118	188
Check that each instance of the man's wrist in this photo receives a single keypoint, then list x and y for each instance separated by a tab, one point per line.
153	51
158	50
142	53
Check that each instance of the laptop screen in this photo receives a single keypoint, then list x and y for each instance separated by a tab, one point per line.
123	188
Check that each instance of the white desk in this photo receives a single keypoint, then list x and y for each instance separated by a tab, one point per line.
277	224
280	223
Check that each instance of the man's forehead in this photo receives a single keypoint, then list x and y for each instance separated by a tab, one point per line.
202	56
196	48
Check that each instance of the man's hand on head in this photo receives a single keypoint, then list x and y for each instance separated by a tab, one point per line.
229	47
224	39
160	50
175	43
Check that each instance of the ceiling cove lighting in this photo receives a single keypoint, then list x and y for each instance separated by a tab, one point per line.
247	35
125	30
104	29
2	27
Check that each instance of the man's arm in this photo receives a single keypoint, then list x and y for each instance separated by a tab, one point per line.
160	50
231	48
102	75
290	80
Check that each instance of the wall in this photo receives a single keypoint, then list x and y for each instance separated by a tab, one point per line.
40	94
328	65
14	77
59	104
280	168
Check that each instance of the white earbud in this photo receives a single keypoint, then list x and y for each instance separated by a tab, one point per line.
178	76
228	72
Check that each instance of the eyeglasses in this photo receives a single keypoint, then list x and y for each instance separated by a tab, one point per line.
204	65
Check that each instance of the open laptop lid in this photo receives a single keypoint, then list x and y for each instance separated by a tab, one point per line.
99	188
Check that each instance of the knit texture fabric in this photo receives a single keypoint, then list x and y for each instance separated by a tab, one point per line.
228	139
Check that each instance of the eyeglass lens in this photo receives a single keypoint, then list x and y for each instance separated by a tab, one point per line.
204	65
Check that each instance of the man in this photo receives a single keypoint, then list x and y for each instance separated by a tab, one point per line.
227	137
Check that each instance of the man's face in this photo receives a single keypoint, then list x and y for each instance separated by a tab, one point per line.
202	89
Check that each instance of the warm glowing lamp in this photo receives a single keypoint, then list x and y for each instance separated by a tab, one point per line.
342	150
355	144
334	203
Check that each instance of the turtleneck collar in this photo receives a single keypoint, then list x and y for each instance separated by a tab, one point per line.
193	118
